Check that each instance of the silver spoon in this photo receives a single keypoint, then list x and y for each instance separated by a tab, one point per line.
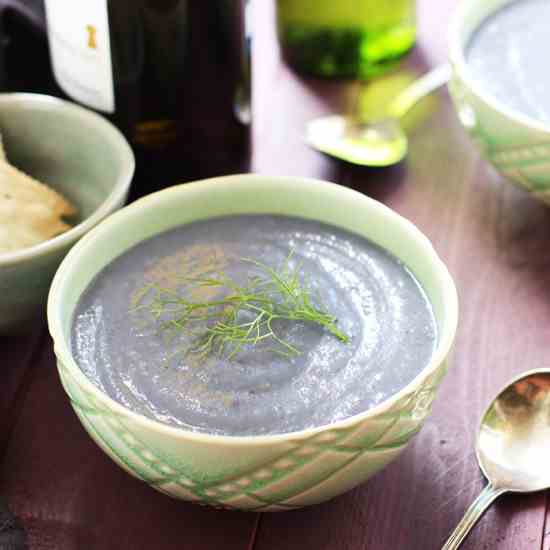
513	446
380	142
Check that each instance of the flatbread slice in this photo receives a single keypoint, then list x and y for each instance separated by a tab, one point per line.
30	212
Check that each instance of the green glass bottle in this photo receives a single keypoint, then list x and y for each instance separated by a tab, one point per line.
345	38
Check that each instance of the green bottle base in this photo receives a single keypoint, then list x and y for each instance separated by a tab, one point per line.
344	53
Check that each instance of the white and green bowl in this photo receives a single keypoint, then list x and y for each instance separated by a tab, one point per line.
517	145
79	154
274	472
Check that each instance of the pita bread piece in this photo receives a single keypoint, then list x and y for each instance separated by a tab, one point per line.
30	212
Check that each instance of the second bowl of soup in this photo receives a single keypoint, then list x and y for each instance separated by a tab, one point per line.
499	87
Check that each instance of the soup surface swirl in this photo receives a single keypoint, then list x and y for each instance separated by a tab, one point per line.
377	301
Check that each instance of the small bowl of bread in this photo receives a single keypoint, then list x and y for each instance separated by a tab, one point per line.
63	169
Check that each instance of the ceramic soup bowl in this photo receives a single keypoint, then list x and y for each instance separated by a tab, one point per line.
517	145
79	154
273	472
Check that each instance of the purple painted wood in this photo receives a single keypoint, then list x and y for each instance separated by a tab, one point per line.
16	358
494	240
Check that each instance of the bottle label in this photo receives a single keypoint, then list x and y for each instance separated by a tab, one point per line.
80	50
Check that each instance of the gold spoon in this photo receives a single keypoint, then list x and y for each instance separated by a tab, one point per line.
513	446
378	142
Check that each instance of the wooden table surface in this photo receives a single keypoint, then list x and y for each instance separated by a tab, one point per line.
69	495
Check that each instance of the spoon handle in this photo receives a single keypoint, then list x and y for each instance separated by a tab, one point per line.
474	512
418	89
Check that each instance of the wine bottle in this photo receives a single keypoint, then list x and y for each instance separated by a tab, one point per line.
169	73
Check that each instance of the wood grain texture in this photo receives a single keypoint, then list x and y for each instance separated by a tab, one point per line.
16	360
494	239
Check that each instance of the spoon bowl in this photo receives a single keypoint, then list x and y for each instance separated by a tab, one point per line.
379	141
514	436
513	445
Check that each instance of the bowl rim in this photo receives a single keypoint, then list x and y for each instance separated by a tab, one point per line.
441	274
118	193
458	61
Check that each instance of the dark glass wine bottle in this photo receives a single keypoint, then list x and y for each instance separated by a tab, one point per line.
173	75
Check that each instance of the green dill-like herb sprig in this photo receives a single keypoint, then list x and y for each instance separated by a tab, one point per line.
237	315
